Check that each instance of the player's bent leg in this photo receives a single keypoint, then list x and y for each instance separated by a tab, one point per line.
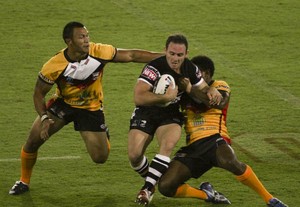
29	154
168	136
172	184
97	145
227	160
34	141
244	173
174	177
138	141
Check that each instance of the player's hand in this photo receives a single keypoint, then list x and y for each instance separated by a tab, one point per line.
215	97
45	129
185	85
171	92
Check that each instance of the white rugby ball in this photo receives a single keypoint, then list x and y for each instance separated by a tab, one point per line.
162	85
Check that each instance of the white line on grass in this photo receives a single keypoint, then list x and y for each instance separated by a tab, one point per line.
43	158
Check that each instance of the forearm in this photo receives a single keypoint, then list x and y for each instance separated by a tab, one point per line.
136	55
39	104
199	93
201	97
40	91
143	56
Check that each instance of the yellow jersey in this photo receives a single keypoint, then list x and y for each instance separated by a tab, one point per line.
79	83
202	121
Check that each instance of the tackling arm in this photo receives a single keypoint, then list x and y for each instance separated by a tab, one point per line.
135	55
202	92
208	94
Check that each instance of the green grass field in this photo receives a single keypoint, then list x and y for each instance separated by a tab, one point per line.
256	48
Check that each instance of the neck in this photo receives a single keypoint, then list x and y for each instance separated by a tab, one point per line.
76	56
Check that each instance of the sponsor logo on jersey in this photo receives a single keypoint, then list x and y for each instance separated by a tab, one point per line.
150	73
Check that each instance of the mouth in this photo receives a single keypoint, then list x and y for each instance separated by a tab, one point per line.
175	64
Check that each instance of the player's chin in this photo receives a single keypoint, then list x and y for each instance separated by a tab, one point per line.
85	49
175	66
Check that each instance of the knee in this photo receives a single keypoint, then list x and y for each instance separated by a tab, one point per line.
32	146
232	165
166	188
135	158
100	159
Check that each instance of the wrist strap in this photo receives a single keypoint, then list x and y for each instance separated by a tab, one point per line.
44	117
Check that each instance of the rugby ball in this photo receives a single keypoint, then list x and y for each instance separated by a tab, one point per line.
162	85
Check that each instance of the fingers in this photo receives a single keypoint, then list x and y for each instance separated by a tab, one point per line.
215	99
45	128
44	135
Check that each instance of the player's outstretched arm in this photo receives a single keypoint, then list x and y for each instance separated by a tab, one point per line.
135	55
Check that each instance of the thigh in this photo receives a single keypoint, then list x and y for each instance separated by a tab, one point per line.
227	160
97	145
138	142
168	136
34	140
224	154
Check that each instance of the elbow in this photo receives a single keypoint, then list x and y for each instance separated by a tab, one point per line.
138	101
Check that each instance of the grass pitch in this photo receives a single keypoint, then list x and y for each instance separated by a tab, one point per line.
255	46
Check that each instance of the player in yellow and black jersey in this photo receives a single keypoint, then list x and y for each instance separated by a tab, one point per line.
208	145
77	73
203	121
79	83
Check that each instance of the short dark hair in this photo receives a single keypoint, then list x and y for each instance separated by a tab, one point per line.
68	29
204	63
177	38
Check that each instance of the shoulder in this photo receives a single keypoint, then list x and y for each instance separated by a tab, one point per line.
102	51
188	68
159	65
221	85
159	62
154	69
57	60
53	67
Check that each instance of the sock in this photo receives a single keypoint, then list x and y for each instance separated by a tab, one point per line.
250	179
27	162
142	169
158	166
187	191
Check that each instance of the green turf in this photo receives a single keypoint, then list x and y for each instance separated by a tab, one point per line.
255	46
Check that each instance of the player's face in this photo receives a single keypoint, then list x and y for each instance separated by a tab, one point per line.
80	40
206	76
175	54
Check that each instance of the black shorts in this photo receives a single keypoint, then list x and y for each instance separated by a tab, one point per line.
200	156
83	119
148	119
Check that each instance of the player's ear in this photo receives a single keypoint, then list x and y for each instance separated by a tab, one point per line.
187	53
68	41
